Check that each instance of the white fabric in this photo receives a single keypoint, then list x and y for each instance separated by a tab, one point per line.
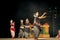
12	33
27	26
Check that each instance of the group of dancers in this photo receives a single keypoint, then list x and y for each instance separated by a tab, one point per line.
25	29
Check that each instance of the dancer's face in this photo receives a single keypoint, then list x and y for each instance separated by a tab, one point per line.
21	21
11	21
37	14
27	21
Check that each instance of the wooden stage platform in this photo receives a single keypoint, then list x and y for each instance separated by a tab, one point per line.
29	39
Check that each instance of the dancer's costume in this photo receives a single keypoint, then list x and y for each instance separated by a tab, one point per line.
36	29
58	36
27	30
12	29
21	31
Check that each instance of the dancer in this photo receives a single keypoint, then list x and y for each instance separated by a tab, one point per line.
12	28
36	28
21	31
58	35
27	28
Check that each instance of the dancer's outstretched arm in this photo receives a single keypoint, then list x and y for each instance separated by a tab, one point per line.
41	17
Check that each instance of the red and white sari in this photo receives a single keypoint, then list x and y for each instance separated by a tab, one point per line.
12	29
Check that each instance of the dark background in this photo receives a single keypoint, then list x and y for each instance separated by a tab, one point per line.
23	9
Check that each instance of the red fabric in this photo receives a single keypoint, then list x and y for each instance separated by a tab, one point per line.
12	27
58	36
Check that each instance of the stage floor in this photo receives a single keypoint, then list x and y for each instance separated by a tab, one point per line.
29	39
